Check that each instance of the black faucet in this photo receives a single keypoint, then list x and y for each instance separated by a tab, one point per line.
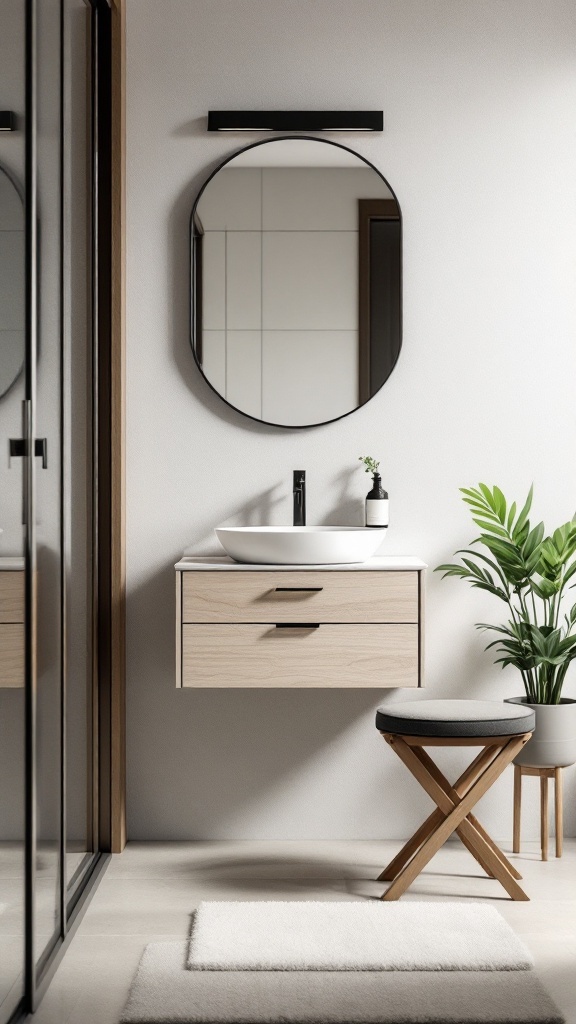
299	492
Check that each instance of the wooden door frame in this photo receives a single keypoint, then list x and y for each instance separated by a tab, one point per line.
116	433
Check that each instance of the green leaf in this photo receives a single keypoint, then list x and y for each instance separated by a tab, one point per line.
522	518
489	497
543	589
473	492
492	589
451	570
492	527
511	515
500	504
570	571
533	539
528	571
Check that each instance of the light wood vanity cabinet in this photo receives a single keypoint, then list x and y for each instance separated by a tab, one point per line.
269	626
11	628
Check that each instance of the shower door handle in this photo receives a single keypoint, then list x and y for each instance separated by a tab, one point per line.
17	448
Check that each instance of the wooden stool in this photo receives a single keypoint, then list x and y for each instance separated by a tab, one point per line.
501	732
544	774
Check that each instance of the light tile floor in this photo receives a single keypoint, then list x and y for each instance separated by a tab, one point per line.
12	910
150	890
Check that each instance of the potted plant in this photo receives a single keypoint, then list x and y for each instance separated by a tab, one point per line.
530	572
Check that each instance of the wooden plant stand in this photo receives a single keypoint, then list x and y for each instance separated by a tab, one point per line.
543	774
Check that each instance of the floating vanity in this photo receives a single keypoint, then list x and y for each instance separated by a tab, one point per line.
11	622
356	625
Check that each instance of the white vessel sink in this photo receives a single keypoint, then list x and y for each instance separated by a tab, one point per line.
300	545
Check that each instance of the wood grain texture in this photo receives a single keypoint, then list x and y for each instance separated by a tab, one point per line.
456	814
117	427
345	597
544	816
12	596
239	655
421	625
456	791
517	808
520	770
558	811
472	829
11	655
178	629
454	741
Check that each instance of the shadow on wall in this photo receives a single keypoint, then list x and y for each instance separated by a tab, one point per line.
348	508
196	128
256	512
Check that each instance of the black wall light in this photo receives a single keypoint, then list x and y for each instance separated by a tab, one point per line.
7	121
295	121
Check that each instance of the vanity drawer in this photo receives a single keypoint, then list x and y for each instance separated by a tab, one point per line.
239	655
278	596
11	596
11	654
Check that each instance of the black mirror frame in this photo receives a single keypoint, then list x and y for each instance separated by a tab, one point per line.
195	270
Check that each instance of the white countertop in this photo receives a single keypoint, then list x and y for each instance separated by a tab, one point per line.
11	563
214	562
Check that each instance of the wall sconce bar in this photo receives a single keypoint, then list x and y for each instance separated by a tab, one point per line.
295	121
7	121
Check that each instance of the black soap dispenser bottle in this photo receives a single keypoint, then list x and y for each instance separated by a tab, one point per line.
377	504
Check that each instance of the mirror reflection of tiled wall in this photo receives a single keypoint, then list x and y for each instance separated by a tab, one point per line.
280	296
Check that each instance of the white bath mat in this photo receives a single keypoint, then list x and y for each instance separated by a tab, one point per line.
368	936
165	992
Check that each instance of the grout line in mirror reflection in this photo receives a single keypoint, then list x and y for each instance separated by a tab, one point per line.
311	330
287	231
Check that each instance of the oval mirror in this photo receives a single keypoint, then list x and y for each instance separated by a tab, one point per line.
12	325
296	281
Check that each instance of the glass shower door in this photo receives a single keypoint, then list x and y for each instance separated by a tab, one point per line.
46	512
81	826
50	720
12	394
64	712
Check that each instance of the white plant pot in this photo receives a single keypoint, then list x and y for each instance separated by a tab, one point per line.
553	743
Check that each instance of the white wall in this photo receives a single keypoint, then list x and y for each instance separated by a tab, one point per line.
479	101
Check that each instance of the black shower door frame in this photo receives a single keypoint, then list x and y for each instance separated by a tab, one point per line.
38	971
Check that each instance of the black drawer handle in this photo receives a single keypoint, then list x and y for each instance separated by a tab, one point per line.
297	625
297	590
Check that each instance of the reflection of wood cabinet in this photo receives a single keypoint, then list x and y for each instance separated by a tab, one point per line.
11	627
275	626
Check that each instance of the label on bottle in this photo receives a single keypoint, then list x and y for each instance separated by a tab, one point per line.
377	512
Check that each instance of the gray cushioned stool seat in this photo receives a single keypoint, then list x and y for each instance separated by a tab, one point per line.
455	718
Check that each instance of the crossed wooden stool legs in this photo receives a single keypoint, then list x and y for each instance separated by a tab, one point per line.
454	807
